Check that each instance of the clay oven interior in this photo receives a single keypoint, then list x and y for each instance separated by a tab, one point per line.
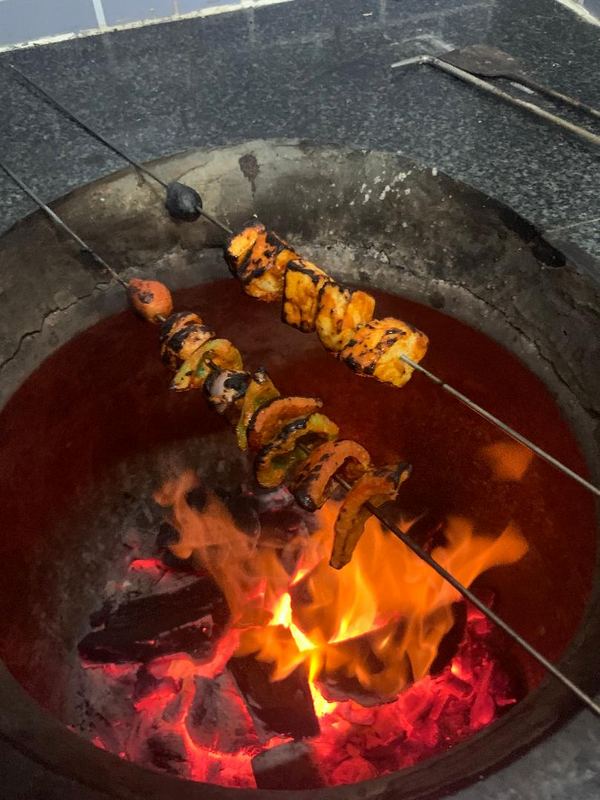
87	414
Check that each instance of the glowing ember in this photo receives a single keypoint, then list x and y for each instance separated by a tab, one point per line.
367	636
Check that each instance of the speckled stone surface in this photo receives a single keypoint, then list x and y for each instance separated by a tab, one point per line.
319	69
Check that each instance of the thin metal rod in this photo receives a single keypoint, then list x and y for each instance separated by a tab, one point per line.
106	142
502	425
491	615
422	554
467	77
60	223
563	98
472	598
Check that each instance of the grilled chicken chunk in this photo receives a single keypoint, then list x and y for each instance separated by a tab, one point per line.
151	299
375	347
259	259
301	286
179	346
340	311
376	487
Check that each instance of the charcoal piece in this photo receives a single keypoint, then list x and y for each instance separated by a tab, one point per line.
183	202
217	718
147	684
288	766
283	707
167	534
243	511
188	620
166	751
449	645
196	498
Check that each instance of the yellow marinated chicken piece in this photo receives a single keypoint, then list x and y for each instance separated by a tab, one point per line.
259	258
302	283
375	349
340	311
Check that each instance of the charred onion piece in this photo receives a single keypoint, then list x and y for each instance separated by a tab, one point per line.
376	486
340	311
271	417
260	390
184	342
301	286
195	370
314	482
224	386
375	347
151	299
274	460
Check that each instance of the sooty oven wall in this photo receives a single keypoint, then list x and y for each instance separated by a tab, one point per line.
439	241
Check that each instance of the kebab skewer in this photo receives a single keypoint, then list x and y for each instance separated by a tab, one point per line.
311	300
292	439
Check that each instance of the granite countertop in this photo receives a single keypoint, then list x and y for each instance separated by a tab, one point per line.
319	70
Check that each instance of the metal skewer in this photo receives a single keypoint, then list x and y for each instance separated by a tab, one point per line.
468	77
111	146
404	537
60	223
463	398
502	425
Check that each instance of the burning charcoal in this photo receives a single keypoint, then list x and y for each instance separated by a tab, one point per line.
288	766
353	770
166	751
449	645
243	510
167	534
185	620
148	684
217	718
196	498
183	202
284	707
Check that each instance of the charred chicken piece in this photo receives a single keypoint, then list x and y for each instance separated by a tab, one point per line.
183	343
377	486
374	350
340	311
217	353
275	460
151	299
301	286
261	390
239	247
224	387
175	322
259	258
314	483
272	416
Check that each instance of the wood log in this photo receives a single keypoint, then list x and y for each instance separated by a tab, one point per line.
188	620
276	707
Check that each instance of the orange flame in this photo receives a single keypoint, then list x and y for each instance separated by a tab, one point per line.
379	621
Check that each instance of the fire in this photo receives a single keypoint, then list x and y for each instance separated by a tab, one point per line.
378	623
